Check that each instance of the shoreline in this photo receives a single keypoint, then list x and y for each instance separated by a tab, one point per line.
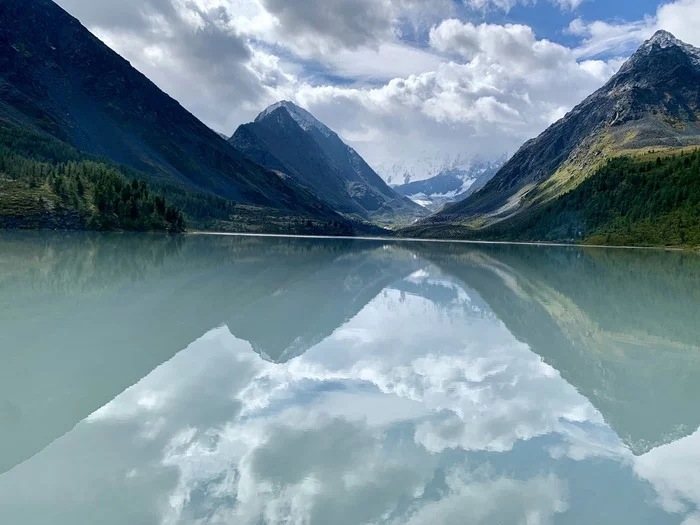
370	238
442	241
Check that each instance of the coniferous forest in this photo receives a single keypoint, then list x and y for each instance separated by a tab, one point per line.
648	200
46	183
627	202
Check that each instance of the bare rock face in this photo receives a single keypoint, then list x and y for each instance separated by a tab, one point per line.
653	101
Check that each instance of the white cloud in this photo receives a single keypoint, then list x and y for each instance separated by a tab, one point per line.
470	90
503	87
623	38
603	37
385	62
512	45
569	4
507	5
681	19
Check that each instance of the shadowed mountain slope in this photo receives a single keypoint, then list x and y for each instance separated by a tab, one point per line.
289	140
57	78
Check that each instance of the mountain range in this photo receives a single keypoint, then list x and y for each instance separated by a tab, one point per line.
289	140
403	169
620	168
68	83
450	185
651	106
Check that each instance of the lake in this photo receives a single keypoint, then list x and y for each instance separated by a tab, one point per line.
248	380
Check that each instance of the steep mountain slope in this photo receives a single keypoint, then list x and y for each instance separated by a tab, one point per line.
57	78
650	199
287	139
652	102
451	185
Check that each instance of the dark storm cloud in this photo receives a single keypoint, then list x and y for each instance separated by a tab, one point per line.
126	14
341	23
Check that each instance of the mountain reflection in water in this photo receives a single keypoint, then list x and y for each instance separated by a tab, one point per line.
150	379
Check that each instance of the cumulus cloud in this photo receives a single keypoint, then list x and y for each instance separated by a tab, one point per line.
319	28
514	46
680	18
604	37
498	86
407	82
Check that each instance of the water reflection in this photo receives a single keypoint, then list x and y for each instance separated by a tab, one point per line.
345	382
621	326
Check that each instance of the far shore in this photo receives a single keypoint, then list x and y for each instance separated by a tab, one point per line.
459	241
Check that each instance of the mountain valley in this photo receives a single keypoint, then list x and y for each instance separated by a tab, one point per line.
68	98
450	185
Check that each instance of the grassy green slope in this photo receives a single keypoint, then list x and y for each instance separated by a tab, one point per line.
629	201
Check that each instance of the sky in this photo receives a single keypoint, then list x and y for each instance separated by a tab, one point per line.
410	84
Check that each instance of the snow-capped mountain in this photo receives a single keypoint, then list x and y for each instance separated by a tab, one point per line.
451	184
425	166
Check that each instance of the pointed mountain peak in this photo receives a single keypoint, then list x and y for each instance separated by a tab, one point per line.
663	37
306	120
660	44
666	40
289	106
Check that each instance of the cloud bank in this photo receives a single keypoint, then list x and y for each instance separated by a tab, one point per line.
404	81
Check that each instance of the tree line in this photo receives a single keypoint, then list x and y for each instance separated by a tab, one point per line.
628	201
66	180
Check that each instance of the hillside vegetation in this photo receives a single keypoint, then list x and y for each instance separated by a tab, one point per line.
47	184
629	201
652	102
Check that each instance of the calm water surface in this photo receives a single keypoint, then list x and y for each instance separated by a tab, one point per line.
261	381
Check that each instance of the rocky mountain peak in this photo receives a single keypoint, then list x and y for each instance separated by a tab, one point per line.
662	65
652	101
663	40
306	120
